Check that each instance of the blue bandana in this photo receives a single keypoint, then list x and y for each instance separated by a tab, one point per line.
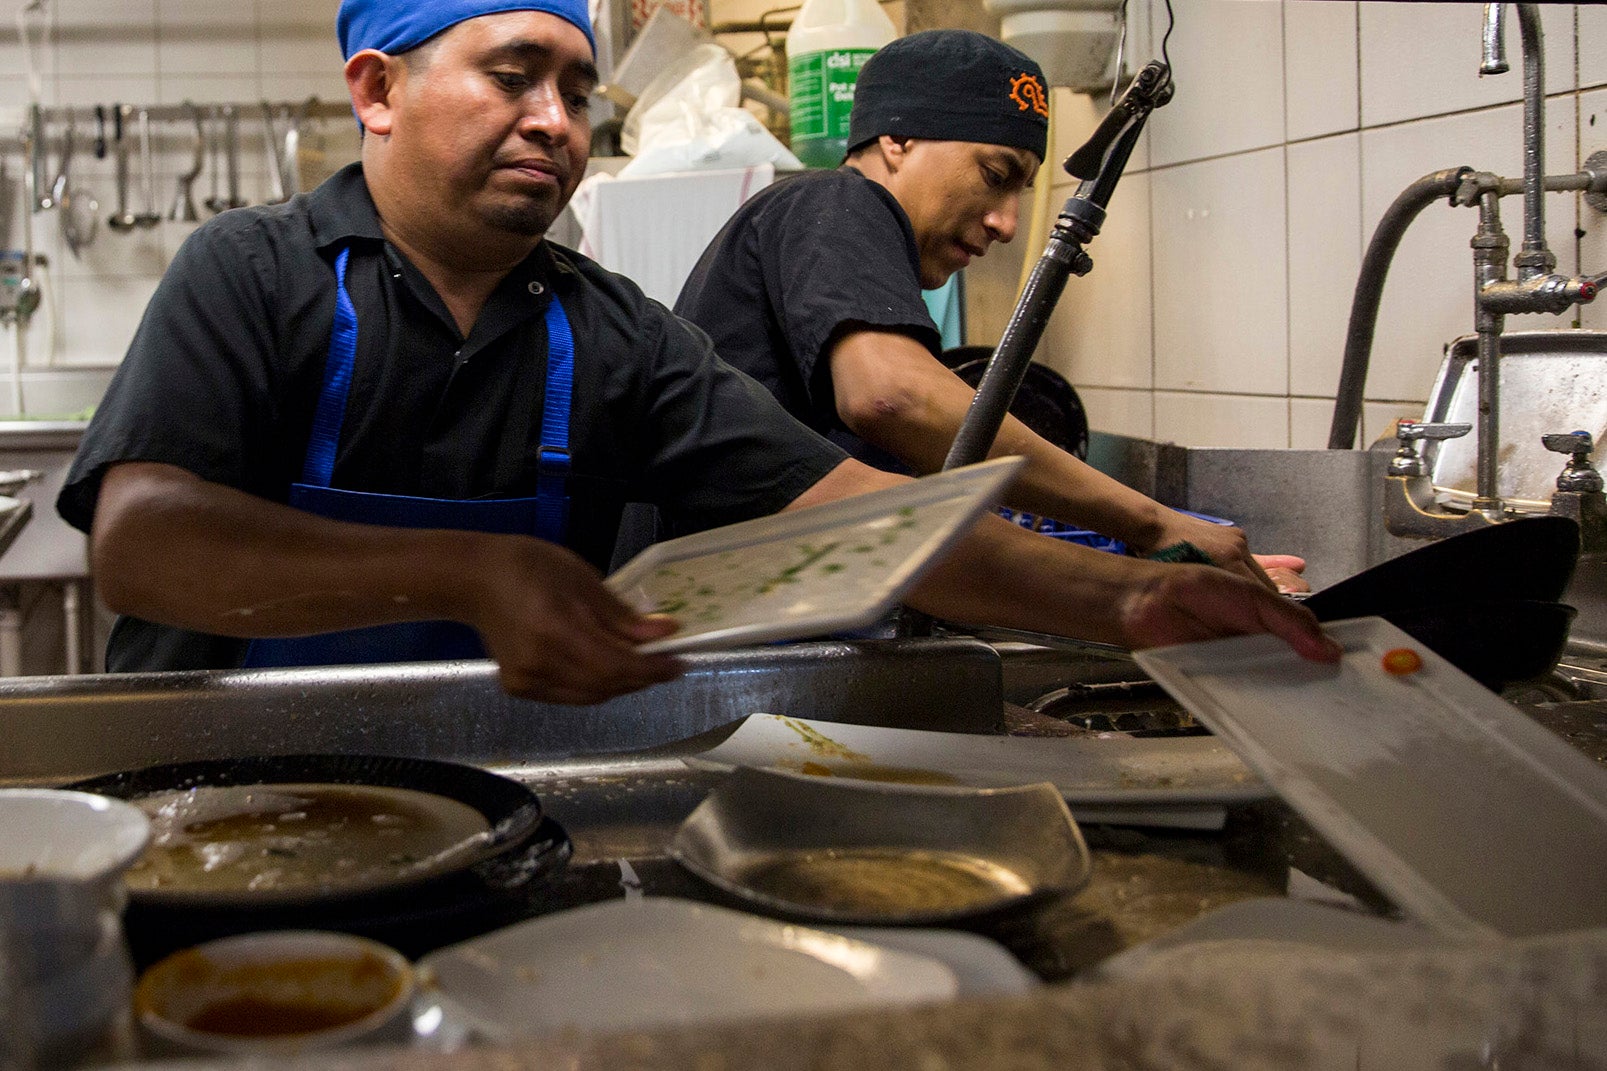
395	27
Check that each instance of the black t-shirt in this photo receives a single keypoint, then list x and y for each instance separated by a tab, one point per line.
800	264
223	376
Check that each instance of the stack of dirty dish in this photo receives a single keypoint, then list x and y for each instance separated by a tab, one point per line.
65	974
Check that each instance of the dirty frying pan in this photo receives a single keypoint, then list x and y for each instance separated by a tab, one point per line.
1485	600
415	909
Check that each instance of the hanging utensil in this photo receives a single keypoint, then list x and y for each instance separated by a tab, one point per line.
150	217
79	211
289	169
231	155
123	220
183	210
312	149
214	201
276	167
100	132
59	187
36	159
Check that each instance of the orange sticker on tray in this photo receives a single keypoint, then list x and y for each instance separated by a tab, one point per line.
1402	661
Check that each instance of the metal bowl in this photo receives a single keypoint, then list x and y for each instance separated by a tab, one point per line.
871	852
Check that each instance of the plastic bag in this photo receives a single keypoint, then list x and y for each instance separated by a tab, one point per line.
689	119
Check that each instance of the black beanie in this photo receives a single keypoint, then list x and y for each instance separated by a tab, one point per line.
951	85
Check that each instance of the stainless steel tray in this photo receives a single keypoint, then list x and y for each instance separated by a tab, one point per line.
1019	843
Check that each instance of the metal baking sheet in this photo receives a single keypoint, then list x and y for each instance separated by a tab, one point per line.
1472	817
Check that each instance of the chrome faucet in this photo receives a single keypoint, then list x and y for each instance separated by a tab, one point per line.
1410	504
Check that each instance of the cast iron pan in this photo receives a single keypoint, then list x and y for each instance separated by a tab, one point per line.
478	893
1484	600
1529	558
1046	403
1494	641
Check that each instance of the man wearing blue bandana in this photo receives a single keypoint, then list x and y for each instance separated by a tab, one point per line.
388	421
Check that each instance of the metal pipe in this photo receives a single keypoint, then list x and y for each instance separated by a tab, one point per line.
1370	291
1490	247
1008	366
1375	266
1534	258
1495	44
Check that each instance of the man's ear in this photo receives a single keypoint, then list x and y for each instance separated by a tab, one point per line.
894	151
374	78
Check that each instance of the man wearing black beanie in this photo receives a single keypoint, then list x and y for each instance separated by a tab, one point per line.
814	286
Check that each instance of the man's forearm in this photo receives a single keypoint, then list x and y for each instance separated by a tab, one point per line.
1001	575
895	395
175	549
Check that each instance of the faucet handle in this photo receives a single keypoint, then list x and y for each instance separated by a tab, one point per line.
1569	442
1578	474
1409	430
1407	461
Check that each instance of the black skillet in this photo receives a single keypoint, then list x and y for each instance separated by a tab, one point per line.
1529	558
1484	600
1045	402
479	892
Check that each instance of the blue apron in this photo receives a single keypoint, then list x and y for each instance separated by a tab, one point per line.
545	515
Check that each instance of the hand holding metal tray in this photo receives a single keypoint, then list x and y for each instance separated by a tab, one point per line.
809	572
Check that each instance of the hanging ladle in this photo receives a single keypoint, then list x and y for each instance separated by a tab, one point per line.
150	217
183	210
78	208
276	167
214	201
124	220
231	148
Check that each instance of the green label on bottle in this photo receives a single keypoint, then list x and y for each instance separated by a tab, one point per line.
821	91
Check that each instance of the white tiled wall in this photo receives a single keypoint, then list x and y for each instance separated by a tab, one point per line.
148	52
1224	276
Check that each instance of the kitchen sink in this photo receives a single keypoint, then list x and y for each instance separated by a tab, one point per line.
612	774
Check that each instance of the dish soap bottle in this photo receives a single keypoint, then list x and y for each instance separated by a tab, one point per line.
829	42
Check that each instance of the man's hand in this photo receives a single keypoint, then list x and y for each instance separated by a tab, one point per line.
556	631
1284	571
1185	603
557	634
1228	547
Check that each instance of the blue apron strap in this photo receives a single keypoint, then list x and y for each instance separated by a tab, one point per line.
319	466
552	459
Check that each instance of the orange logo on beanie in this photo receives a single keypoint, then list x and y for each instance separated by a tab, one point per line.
1027	92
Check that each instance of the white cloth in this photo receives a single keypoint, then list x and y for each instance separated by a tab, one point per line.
653	229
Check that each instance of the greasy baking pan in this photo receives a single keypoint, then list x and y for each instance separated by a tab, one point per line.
473	890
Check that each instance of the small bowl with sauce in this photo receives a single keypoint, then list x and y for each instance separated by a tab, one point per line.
882	853
275	993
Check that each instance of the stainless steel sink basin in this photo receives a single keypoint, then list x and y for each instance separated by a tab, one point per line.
57	729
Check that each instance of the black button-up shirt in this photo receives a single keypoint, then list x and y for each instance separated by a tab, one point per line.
223	376
798	266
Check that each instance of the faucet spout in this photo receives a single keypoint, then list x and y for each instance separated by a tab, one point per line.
1534	259
1495	44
